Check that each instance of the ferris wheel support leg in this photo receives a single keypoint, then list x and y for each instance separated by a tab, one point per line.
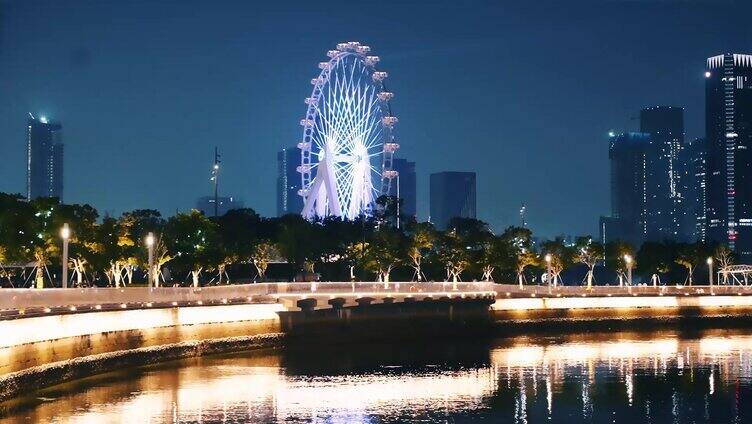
310	200
331	188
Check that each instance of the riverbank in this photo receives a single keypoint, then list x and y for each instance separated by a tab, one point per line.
44	350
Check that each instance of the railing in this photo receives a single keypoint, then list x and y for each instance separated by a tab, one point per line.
511	290
14	302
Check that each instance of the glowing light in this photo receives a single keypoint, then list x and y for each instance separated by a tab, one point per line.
347	133
65	232
707	74
50	327
150	240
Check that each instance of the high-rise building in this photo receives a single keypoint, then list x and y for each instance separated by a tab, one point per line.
205	205
664	211
693	158
728	125
452	195
406	187
288	182
44	158
630	154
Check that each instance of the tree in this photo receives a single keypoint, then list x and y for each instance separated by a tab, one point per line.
191	237
337	236
522	255
453	255
655	259
299	241
422	237
561	256
84	246
588	252
690	256
263	253
16	230
495	252
616	251
473	235
42	236
385	250
724	257
161	258
355	253
115	248
240	232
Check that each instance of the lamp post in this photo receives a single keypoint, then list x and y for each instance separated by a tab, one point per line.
548	268
628	261
709	261
65	235
150	246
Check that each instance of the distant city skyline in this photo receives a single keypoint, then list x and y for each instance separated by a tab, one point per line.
157	95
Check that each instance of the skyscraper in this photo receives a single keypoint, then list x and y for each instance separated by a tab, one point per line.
630	154
452	195
406	189
288	182
664	209
44	158
694	193
728	125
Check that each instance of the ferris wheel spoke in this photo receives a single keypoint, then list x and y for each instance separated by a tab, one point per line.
346	134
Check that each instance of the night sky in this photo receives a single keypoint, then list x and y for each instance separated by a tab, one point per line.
524	93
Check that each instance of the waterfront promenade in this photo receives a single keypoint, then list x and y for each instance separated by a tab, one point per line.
19	303
55	335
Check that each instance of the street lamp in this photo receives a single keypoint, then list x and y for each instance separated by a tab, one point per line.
628	261
150	245
65	235
548	268
709	261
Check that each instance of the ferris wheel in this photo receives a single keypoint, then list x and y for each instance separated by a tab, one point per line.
348	136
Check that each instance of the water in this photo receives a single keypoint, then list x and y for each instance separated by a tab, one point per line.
661	377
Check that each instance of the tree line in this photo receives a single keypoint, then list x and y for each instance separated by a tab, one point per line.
192	249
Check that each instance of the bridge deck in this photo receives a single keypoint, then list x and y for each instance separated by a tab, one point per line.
17	303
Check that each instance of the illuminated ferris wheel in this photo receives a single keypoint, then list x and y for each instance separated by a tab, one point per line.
348	141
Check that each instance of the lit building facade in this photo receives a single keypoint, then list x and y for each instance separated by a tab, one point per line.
288	182
630	157
44	158
728	124
664	209
406	187
452	195
694	160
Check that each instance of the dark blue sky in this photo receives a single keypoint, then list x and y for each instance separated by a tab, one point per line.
522	92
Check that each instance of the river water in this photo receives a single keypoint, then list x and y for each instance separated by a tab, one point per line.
658	377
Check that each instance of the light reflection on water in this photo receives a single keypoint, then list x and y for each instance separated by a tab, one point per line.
661	377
